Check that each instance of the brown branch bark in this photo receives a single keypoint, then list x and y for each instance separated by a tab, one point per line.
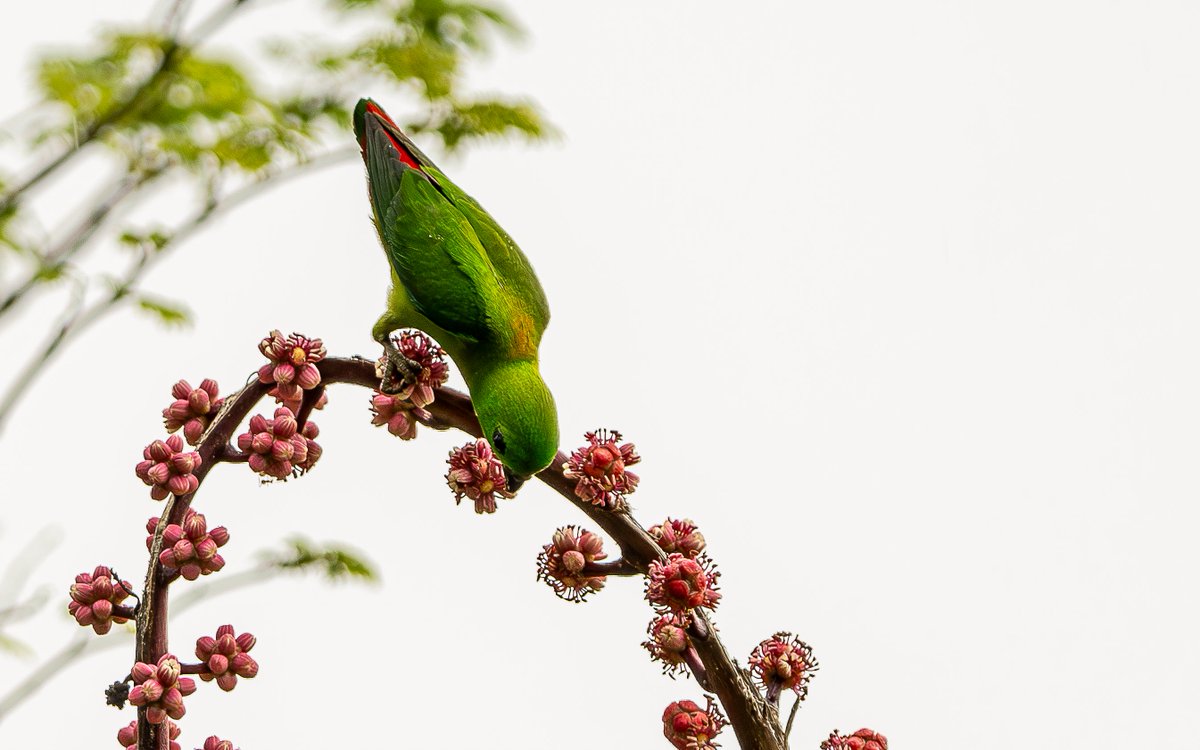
754	724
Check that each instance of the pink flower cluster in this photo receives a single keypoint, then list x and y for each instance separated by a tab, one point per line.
600	468
475	472
292	366
398	413
226	657
192	409
402	409
128	738
432	359
168	469
96	600
679	535
863	739
783	662
191	548
278	447
668	641
689	727
160	688
680	583
216	743
562	563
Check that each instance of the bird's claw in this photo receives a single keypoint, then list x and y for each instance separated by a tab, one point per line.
397	372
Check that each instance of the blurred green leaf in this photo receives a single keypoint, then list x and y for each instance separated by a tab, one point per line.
169	312
13	646
336	562
487	119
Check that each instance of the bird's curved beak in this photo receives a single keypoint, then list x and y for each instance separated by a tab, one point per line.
513	481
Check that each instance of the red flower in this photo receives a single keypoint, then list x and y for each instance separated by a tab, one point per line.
96	600
293	365
688	727
476	473
192	409
668	641
127	737
600	468
561	563
863	739
398	413
190	548
679	535
681	583
432	359
160	688
278	447
226	657
216	743
783	662
167	469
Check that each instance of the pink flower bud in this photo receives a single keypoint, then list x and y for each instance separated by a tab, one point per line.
168	671
205	646
244	665
218	664
308	377
142	671
246	641
199	402
152	690
206	549
184	550
158	451
102	610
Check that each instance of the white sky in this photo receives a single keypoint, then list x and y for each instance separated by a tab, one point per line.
897	300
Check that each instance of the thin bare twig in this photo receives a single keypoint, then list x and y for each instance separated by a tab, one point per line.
53	260
173	51
122	290
787	731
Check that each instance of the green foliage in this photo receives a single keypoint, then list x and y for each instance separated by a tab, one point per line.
337	563
13	646
168	312
490	118
177	109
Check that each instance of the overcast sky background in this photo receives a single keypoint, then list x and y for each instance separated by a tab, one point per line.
897	300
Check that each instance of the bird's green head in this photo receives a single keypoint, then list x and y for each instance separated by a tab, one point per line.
517	414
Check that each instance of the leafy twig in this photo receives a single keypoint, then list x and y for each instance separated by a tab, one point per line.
122	290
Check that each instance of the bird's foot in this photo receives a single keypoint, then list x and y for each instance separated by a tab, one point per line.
397	371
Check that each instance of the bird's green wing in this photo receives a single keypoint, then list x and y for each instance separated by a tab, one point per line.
520	282
439	259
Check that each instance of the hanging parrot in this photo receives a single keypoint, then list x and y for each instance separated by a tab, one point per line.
458	276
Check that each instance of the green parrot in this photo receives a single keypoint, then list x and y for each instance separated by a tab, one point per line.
458	276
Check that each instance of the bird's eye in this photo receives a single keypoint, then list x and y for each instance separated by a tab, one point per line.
498	441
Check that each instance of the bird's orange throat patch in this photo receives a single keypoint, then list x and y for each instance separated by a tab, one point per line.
525	339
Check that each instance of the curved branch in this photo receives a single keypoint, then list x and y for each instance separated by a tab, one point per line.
756	726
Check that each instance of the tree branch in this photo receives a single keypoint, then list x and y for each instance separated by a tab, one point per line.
173	51
756	727
80	320
53	261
